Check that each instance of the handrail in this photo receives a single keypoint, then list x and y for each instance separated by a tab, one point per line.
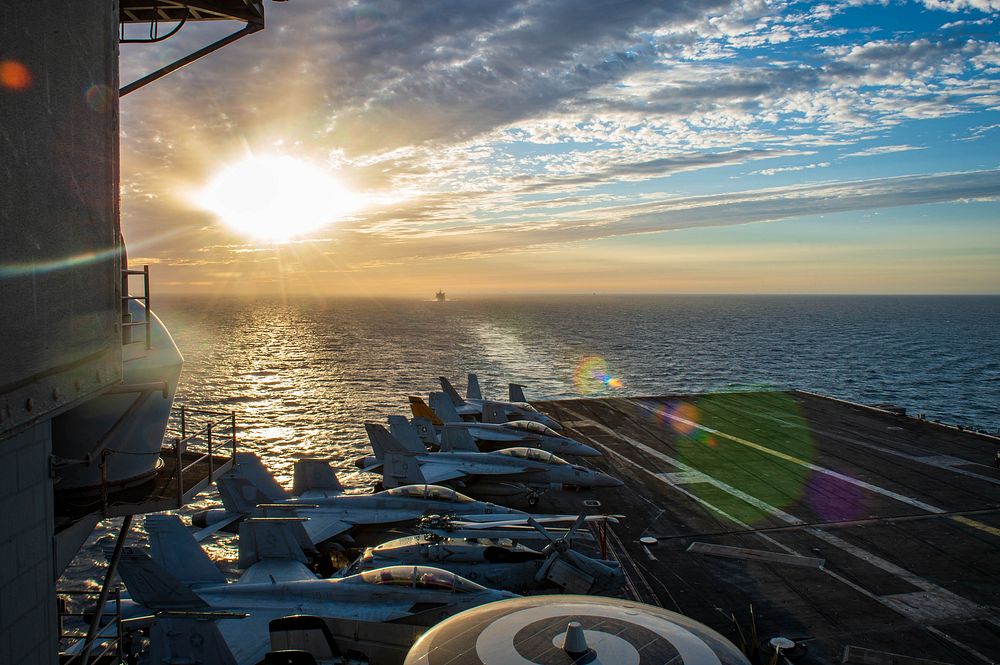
217	433
112	643
208	443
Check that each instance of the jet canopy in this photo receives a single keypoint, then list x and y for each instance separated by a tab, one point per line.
430	492
418	577
533	454
533	427
524	406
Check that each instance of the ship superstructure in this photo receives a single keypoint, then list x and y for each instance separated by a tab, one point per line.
87	371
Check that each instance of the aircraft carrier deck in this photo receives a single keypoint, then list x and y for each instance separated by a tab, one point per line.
852	531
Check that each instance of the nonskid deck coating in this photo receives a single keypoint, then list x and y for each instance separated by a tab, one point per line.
904	513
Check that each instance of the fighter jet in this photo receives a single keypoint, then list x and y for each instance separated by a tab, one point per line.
182	582
502	564
317	496
442	428
473	405
491	473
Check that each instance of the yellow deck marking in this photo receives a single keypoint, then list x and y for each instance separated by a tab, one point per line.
975	524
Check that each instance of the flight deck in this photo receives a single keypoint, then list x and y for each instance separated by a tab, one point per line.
857	534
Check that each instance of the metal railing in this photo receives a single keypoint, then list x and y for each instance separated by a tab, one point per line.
127	323
194	437
217	435
73	647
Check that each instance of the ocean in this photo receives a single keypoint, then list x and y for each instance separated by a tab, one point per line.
303	374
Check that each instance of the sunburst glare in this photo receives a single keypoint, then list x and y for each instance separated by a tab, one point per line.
276	198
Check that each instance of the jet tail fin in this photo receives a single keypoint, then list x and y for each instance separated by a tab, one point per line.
453	395
457	439
406	434
151	585
426	431
516	391
315	474
175	548
384	443
401	470
494	412
247	484
443	407
271	538
421	410
183	639
473	391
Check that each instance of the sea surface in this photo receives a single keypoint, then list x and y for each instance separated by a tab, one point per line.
303	375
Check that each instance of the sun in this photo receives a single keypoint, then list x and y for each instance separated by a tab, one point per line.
276	199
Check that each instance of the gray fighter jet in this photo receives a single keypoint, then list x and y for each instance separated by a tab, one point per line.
182	582
317	496
405	462
472	405
442	428
501	563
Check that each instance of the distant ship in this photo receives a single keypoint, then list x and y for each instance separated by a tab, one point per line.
440	296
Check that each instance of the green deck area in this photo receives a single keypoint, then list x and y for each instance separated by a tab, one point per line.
904	515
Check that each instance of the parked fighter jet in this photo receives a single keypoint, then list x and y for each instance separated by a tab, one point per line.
473	406
318	496
501	563
276	583
402	462
442	428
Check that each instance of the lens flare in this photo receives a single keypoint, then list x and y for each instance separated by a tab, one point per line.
592	376
751	443
366	18
99	97
14	75
682	417
833	499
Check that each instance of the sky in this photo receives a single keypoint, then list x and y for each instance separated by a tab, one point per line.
561	146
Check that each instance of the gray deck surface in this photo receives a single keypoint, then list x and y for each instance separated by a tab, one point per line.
905	514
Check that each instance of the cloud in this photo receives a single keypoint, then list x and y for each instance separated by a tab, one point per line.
674	214
788	169
883	150
658	168
478	128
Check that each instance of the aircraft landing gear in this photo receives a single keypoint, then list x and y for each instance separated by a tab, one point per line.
533	498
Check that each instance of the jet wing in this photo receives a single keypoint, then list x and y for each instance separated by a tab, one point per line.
248	639
322	528
485	434
487	468
436	472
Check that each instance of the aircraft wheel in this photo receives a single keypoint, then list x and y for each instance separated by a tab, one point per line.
532	500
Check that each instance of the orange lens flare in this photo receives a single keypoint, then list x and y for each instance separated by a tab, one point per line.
14	75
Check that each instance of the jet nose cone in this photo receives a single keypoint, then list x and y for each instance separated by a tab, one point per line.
583	450
604	480
553	423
